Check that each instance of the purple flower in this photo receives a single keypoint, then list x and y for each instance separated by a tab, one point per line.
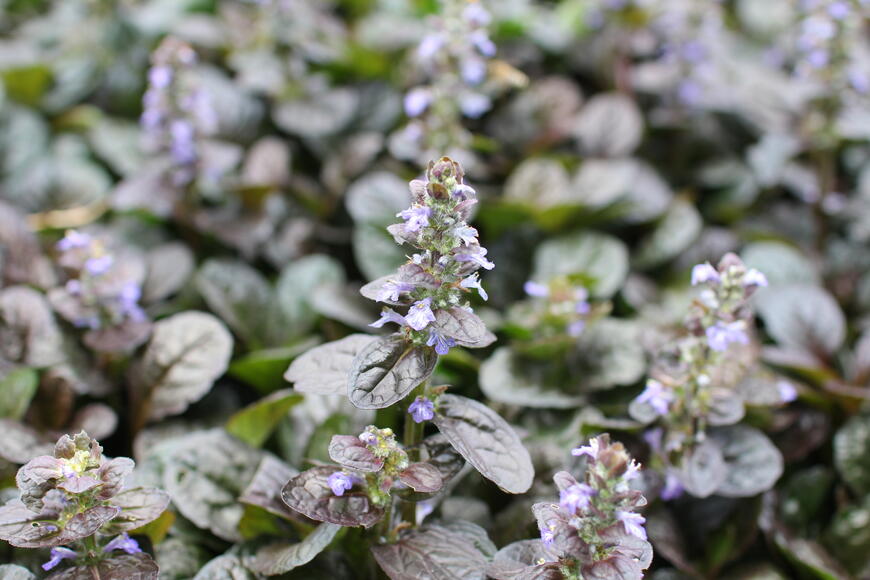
473	281
537	290
466	234
72	240
653	438
99	265
576	328
838	9
160	76
183	147
368	438
656	396
429	46
590	450
389	315
392	288
548	537
340	482
416	217
673	488
73	287
123	542
476	15
703	273
722	334
632	471
476	254
576	497
633	523
416	101
57	556
473	70
755	278
420	314
482	43
858	79
442	343
474	105
787	392
422	409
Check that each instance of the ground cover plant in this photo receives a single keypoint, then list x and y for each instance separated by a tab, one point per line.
515	289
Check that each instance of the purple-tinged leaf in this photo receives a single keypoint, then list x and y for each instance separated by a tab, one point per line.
139	506
422	477
265	488
465	327
279	558
703	469
432	553
168	268
565	538
122	566
349	451
310	494
21	443
226	566
386	370
186	354
486	441
519	561
411	274
122	338
29	334
438	451
324	369
26	529
752	463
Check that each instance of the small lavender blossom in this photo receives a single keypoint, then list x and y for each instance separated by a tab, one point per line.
417	101
340	482
576	497
123	542
416	217
391	290
633	523
466	233
576	328
420	314
786	390
389	315
591	451
473	282
74	239
57	556
368	438
99	265
442	343
722	334
656	396
537	290
703	273
548	537
422	409
477	256
673	487
474	105
754	278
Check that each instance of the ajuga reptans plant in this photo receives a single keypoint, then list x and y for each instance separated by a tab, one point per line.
378	481
76	504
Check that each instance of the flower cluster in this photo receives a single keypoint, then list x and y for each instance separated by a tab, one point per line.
822	34
176	112
435	281
565	306
102	292
73	495
454	55
595	525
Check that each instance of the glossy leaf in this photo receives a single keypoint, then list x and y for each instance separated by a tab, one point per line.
421	477
325	369
349	451
279	558
466	328
310	494
132	566
433	553
255	423
265	488
486	441
386	370
753	463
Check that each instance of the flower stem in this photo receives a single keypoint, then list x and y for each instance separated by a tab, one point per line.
413	436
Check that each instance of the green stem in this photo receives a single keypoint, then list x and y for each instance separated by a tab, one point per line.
413	436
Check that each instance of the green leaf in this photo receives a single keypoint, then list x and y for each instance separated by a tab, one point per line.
601	257
27	84
264	369
255	423
239	294
16	391
676	231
